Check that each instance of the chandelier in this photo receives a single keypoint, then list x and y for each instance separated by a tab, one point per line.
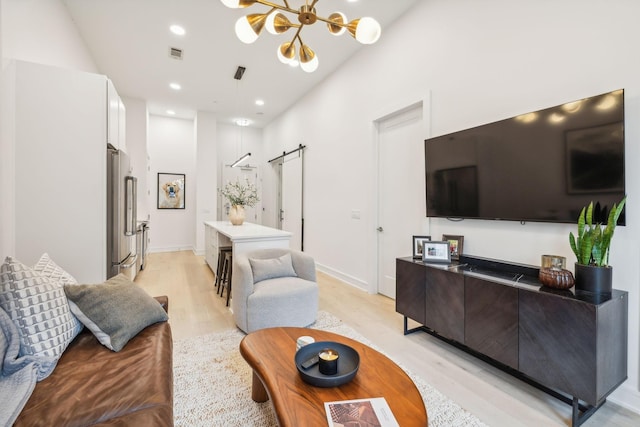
365	30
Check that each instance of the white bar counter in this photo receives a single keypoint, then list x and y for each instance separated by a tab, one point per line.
242	238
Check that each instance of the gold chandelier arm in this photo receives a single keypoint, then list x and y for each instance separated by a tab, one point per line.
329	21
297	35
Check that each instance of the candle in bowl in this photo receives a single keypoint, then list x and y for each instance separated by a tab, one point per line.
328	361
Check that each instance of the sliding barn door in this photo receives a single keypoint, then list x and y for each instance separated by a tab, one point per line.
291	198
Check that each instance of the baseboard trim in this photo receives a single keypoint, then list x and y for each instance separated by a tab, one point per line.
626	397
170	249
350	280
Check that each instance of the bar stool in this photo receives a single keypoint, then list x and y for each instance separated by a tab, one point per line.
227	273
219	268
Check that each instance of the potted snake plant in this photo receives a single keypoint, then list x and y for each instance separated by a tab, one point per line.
591	246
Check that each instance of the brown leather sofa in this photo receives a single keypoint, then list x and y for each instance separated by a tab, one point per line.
94	386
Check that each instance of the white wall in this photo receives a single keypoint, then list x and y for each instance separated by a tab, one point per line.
136	142
172	149
42	31
480	62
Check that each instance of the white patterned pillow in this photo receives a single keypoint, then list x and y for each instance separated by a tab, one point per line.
38	307
46	267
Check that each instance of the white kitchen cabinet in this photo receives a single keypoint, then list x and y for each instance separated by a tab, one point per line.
58	120
116	119
211	247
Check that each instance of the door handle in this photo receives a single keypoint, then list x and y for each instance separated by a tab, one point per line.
380	229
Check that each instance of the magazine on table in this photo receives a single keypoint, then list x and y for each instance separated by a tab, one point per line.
374	412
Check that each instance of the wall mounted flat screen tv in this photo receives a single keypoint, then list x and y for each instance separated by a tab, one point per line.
540	166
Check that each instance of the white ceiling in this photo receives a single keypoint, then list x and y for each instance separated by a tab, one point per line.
130	41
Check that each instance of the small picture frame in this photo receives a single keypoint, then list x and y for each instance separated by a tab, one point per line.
455	245
418	245
437	252
171	189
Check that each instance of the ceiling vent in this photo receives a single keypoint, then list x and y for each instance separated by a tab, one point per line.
175	53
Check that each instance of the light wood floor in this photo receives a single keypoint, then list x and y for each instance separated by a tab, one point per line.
493	396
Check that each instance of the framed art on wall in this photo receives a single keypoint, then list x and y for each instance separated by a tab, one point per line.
436	252
418	245
455	245
171	188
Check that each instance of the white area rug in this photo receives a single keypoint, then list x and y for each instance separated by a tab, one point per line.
212	384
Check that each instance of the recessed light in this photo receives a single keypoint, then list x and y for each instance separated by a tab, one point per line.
175	86
259	102
171	112
243	122
177	30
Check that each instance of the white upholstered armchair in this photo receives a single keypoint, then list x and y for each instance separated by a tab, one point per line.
274	287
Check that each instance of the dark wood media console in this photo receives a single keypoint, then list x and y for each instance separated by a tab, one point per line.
570	344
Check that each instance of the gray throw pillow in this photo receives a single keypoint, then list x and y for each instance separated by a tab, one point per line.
115	311
46	267
39	309
264	269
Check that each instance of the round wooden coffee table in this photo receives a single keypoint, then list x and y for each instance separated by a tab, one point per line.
270	353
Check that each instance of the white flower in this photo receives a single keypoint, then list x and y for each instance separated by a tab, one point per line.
240	194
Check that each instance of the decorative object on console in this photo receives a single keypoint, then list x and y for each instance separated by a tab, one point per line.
239	195
591	247
436	252
171	188
556	278
418	245
455	245
553	273
553	261
365	30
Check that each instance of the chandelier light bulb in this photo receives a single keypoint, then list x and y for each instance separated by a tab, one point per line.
308	59
233	4
237	4
286	53
277	23
366	30
269	23
248	27
339	18
310	66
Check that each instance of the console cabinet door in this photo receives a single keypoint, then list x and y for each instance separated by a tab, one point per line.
558	343
573	346
410	287
491	320
444	308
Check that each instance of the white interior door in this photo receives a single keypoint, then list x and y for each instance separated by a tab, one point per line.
291	202
242	174
401	191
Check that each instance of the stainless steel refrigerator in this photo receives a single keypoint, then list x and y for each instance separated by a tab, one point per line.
121	215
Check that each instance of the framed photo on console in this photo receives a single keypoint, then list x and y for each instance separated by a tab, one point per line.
418	245
455	245
436	252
